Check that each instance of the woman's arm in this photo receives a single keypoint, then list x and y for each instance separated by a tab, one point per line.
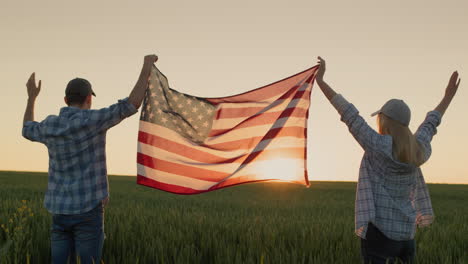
450	92
326	89
367	137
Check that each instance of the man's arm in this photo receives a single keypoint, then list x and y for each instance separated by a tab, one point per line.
33	92
450	92
138	93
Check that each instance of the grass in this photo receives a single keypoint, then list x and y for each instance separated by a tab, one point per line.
253	223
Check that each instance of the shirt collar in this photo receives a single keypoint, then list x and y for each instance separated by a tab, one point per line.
69	110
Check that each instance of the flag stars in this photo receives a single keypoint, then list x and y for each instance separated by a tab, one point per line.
194	109
205	124
180	105
200	116
164	120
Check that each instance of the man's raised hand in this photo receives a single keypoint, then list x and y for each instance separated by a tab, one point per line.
321	70
452	86
33	89
150	59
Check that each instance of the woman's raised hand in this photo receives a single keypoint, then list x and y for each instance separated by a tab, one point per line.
321	70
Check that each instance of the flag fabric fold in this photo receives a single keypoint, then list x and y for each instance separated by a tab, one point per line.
190	145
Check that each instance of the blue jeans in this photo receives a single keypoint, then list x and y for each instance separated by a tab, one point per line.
377	248
79	236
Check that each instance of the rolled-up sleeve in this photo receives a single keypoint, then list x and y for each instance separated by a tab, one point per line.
367	137
114	114
427	130
33	131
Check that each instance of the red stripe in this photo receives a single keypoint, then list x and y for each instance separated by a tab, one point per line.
249	111
246	179
180	149
263	119
266	91
306	173
142	180
293	131
180	169
205	157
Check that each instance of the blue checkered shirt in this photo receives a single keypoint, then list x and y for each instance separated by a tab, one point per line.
390	194
76	141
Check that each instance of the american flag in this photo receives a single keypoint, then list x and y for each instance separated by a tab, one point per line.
189	144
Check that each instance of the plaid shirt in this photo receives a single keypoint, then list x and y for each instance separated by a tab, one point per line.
390	194
76	140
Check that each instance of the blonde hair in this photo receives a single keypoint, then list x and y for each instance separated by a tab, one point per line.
405	146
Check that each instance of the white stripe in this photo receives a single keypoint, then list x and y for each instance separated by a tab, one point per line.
281	169
173	179
227	123
236	134
255	131
225	167
264	102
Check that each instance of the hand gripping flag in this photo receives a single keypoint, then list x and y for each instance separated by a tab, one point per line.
189	144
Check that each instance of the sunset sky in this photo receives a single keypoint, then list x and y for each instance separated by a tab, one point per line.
375	51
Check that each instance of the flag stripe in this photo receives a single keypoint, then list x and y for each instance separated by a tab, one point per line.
152	144
246	110
267	91
173	188
243	137
180	169
245	174
290	95
178	189
221	166
170	178
264	119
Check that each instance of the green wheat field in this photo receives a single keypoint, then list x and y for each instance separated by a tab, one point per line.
252	223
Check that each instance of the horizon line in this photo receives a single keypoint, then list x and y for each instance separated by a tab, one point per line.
126	175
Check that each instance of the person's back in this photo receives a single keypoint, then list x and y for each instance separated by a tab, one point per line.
391	194
77	188
76	141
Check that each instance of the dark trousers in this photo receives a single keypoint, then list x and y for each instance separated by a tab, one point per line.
78	237
377	248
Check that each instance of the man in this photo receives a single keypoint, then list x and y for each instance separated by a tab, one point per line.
77	186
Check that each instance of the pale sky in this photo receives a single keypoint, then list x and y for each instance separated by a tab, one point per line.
375	51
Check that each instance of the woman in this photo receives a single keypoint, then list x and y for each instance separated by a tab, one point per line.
391	196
